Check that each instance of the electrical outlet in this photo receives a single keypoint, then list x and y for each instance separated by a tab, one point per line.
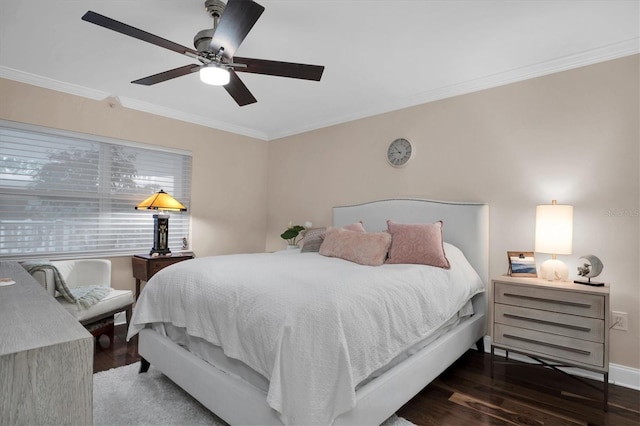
619	320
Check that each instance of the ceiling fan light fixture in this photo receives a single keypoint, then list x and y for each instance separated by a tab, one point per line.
214	75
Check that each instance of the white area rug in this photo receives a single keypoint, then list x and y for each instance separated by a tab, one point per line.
121	396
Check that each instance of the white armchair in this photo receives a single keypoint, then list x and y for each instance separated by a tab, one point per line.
98	319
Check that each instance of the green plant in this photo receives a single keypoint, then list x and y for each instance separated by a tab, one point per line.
292	233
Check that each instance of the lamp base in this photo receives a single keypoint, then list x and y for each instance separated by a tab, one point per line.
155	252
589	282
554	270
160	235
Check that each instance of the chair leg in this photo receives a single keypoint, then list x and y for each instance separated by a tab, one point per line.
144	365
128	315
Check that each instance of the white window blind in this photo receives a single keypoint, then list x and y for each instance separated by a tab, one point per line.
65	194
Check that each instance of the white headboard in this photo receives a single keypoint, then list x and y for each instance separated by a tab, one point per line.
466	225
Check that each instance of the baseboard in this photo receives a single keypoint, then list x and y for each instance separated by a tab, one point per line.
624	376
620	375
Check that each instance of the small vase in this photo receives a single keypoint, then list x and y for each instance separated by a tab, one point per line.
292	247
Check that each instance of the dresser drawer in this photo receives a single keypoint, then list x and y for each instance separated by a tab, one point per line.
568	302
158	265
551	345
145	266
551	322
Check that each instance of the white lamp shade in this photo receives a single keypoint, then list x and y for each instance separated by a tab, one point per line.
554	229
214	75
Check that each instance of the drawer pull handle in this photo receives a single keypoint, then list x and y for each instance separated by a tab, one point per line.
541	299
550	345
569	326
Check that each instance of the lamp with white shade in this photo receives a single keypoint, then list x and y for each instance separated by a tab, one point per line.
554	235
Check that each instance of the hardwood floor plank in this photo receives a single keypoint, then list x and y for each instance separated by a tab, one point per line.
534	388
508	416
503	401
515	412
431	407
542	387
108	355
500	392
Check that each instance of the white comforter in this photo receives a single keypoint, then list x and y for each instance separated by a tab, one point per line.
314	326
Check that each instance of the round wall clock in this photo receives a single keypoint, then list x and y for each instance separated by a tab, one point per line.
399	152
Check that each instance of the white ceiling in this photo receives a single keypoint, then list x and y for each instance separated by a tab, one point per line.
378	55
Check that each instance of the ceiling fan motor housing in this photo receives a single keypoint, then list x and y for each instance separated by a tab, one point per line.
202	40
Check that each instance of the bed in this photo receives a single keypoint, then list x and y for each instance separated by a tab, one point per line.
242	392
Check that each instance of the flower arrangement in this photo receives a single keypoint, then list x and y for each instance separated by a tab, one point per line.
292	233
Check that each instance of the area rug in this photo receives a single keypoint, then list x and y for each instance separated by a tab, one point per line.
121	396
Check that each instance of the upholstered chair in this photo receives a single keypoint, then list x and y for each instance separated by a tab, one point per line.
98	318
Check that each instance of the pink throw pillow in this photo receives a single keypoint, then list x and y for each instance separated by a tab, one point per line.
364	248
417	243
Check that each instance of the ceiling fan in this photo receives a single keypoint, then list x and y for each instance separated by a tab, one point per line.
215	48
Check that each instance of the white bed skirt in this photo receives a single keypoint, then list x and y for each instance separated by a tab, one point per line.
238	402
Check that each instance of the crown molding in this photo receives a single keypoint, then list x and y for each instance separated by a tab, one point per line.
99	95
49	83
190	118
589	57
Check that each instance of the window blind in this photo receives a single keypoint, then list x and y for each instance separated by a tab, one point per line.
65	194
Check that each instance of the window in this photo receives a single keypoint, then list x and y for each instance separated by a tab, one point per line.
65	194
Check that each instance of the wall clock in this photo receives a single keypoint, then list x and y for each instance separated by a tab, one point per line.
399	152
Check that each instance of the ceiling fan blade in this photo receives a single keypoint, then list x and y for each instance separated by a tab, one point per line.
112	24
238	91
280	69
167	75
238	18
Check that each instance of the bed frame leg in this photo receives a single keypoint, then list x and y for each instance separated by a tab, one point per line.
144	365
480	345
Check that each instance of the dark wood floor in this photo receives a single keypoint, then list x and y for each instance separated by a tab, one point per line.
466	395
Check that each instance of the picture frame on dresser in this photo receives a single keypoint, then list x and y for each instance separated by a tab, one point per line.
522	264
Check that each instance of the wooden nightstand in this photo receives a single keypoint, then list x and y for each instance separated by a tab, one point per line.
145	266
561	322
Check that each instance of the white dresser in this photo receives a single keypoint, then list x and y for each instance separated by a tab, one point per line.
562	322
46	357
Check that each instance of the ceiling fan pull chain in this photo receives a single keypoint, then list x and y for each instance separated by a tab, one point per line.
219	54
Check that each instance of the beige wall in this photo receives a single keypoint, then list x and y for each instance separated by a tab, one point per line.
571	136
229	198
